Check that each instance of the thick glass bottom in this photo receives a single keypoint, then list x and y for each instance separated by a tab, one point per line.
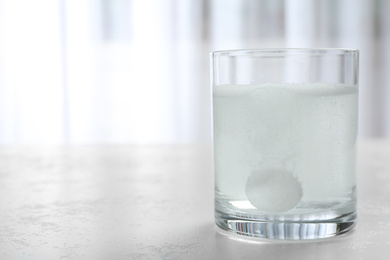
286	230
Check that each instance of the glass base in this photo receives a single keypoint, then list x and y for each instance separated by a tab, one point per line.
286	230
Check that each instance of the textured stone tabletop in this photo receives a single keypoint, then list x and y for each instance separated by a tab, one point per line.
156	202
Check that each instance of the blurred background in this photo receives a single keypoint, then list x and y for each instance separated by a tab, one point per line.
137	71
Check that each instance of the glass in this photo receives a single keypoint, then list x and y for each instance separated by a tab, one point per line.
285	126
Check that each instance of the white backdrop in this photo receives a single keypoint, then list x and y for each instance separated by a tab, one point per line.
137	71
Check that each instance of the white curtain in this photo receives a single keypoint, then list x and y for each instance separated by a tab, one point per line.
137	71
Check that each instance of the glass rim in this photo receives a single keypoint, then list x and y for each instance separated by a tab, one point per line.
236	52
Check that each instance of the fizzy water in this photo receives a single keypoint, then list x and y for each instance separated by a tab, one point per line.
285	151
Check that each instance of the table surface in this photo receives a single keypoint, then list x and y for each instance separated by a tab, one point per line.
156	202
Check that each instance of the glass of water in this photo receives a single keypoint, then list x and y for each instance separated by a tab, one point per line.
285	126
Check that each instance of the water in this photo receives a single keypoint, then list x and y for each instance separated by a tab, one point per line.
285	152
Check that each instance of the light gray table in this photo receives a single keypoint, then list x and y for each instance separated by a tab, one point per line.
156	202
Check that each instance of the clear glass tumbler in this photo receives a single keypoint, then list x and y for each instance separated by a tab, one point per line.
285	126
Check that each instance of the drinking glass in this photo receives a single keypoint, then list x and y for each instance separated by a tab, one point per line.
284	133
